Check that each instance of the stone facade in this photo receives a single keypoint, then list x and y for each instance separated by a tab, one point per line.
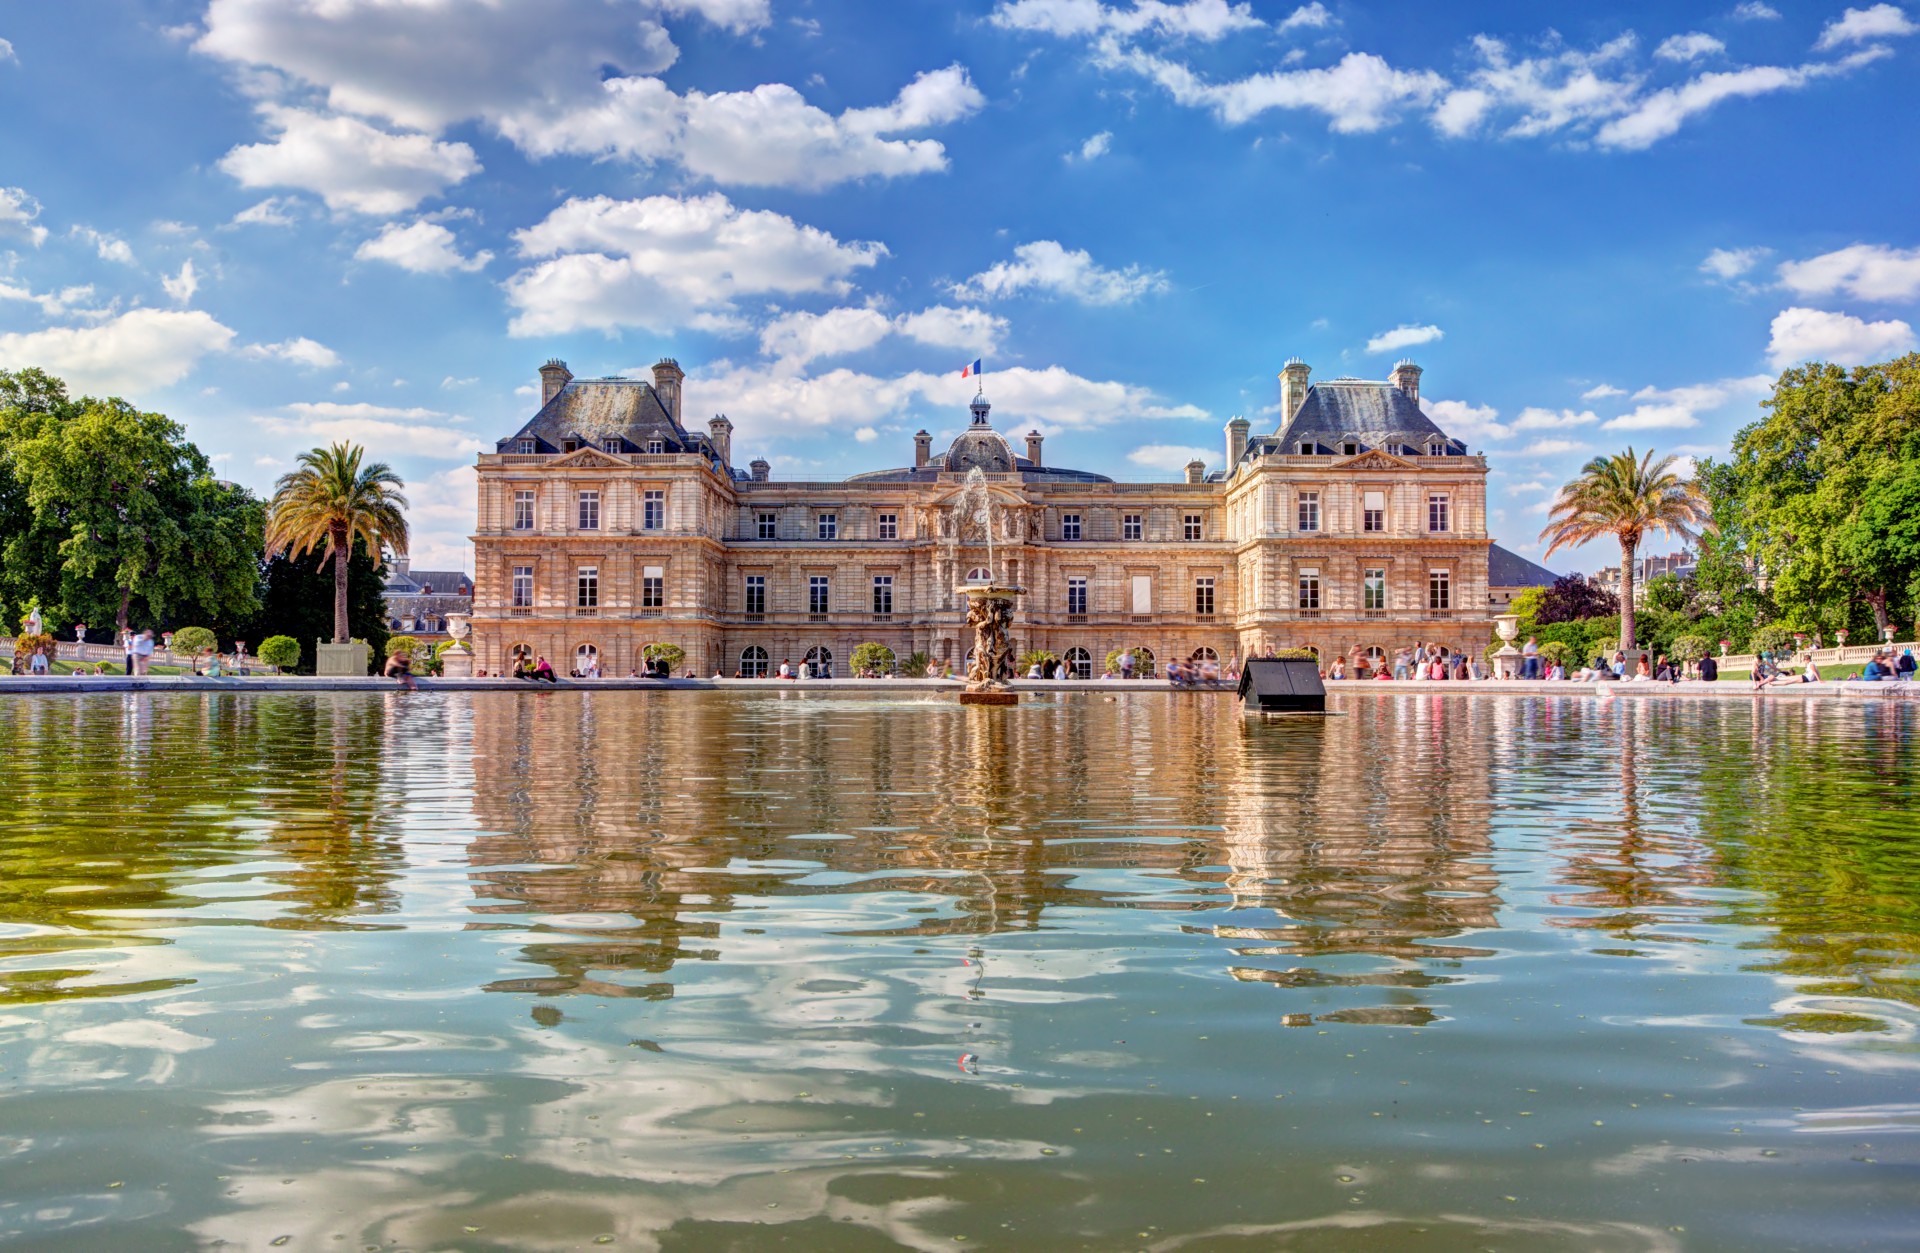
605	524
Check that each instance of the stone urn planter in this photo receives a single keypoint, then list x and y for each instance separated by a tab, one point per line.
1506	659
456	662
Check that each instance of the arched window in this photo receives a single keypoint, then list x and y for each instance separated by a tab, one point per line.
1143	662
1204	654
1080	663
584	657
1373	652
979	574
820	661
519	653
753	662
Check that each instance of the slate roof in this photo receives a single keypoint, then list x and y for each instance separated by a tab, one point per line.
1371	414
934	468
592	411
1510	569
443	583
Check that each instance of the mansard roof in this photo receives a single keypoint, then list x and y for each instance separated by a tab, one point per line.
1371	414
443	583
592	411
1510	569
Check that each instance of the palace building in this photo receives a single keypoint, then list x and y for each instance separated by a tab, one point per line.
606	523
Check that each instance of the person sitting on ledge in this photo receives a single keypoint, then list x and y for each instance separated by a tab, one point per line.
1383	673
1339	670
1876	670
786	668
1810	675
1709	670
399	666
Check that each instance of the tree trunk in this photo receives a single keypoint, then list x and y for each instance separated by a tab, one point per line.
340	555
1627	549
120	619
1878	599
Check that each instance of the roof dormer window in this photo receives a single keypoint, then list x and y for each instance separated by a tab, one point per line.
1436	450
656	446
526	447
610	445
1350	449
1306	448
571	445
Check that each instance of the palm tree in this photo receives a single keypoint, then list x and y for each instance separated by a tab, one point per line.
1625	498
333	498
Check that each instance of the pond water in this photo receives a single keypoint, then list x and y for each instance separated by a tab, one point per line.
743	971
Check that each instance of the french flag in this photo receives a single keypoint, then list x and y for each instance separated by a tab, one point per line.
971	371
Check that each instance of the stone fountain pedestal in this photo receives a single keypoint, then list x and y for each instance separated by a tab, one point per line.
990	673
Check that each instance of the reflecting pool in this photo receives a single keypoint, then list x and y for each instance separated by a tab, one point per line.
554	970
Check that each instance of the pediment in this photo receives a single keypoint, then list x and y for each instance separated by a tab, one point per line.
588	459
1374	459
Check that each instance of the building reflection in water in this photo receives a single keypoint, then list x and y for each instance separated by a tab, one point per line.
633	827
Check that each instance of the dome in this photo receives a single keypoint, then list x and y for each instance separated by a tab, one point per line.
980	446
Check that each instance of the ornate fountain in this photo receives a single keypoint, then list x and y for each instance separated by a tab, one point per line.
989	605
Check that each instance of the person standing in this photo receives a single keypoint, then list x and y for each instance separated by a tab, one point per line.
142	657
1530	668
126	646
1126	664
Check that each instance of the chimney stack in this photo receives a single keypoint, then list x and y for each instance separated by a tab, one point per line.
720	431
1196	471
1236	442
1033	448
1406	377
554	375
1293	389
922	449
667	376
760	469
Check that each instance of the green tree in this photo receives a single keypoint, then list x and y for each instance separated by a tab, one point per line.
1625	497
282	652
335	499
112	511
407	644
191	641
672	654
871	658
1668	592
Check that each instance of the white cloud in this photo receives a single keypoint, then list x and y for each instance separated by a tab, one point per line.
386	432
1206	20
107	247
798	338
1404	336
1815	335
1656	116
273	211
136	352
1602	391
6	51
1360	94
348	163
1863	271
1531	419
1095	147
422	248
1539	95
1755	11
1045	266
76	300
1653	418
662	263
299	351
440	513
1309	17
945	326
182	286
1172	457
1688	47
1882	21
1553	448
1730	263
767	137
1464	421
17	213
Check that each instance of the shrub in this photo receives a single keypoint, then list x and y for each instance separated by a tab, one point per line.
916	665
1046	660
1295	654
1689	648
25	645
1556	652
672	654
194	640
408	644
282	652
1772	638
1140	664
872	658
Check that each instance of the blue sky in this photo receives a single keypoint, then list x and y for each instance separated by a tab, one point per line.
287	221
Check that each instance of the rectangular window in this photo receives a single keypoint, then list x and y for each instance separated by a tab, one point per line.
653	510
653	588
1203	597
1437	519
1130	526
526	447
589	511
889	526
1192	526
586	588
656	446
756	593
1373	513
1309	591
828	526
1142	593
523	587
523	511
1373	589
1350	449
1077	595
883	593
1439	590
610	445
1307	448
817	588
767	524
1069	526
1309	511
